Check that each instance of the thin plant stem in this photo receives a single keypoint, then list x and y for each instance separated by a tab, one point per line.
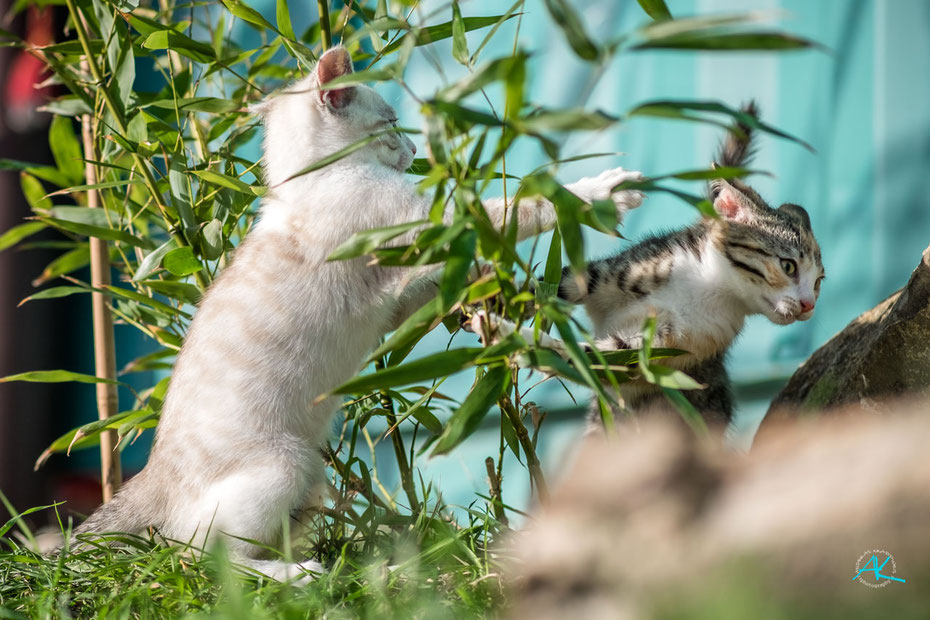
529	450
400	451
325	30
494	484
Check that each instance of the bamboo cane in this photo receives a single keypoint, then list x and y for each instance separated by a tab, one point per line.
111	475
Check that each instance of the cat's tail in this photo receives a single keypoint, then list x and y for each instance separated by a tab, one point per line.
130	511
737	149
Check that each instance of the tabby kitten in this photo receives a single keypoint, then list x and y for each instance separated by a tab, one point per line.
237	449
701	283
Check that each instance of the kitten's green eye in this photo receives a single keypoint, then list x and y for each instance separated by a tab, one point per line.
789	266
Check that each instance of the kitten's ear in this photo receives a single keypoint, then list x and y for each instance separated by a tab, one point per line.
336	62
731	202
797	212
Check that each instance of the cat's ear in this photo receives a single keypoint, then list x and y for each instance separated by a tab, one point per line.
335	63
731	201
797	212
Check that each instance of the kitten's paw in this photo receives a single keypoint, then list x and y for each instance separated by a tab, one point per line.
599	188
490	327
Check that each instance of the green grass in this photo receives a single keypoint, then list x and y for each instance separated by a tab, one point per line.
419	566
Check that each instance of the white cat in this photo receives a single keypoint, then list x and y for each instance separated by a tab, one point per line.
237	447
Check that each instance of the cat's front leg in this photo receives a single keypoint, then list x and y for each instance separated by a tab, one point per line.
601	187
537	214
492	328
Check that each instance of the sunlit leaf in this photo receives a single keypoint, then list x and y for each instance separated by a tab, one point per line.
56	376
431	34
467	418
422	369
249	15
365	241
66	149
656	9
181	262
180	43
16	234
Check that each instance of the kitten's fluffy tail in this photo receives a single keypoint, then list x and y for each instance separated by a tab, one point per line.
737	149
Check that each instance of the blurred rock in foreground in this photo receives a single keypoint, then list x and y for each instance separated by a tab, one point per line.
658	525
884	352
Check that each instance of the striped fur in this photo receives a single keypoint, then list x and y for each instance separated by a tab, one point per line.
237	447
703	281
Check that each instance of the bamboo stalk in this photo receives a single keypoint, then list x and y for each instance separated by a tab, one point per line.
529	450
400	451
494	484
323	9
111	475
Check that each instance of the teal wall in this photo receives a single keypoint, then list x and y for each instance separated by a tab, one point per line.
863	103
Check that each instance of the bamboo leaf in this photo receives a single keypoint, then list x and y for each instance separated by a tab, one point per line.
459	44
182	291
656	9
224	180
431	34
56	376
681	110
55	292
402	341
181	261
213	105
34	193
212	237
283	17
338	155
153	259
249	15
66	263
103	185
16	234
363	242
180	43
567	19
93	223
467	418
423	369
146	300
567	120
728	41
687	411
455	272
66	150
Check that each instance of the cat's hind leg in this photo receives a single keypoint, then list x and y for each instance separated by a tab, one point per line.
252	504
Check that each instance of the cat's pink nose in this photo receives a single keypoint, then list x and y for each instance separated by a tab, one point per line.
806	306
413	148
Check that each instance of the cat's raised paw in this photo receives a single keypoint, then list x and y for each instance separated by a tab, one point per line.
489	327
601	186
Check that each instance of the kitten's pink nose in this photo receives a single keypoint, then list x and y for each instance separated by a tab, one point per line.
806	306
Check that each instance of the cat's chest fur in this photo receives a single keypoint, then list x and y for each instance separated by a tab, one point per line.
683	287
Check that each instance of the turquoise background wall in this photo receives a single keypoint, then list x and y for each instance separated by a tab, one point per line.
863	102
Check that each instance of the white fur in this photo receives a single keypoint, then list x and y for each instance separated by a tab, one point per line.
237	446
